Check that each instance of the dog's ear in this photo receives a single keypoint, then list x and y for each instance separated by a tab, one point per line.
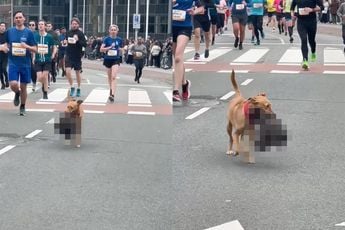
79	102
252	100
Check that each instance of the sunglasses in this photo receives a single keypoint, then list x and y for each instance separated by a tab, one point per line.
31	24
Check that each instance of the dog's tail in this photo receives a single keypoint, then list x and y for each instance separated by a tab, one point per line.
234	83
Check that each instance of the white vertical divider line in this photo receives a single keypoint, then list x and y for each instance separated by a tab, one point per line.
197	113
34	133
6	149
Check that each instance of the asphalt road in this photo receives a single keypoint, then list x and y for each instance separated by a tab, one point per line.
300	187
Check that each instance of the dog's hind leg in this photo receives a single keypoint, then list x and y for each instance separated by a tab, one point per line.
231	141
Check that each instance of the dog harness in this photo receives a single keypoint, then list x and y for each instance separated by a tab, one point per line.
246	109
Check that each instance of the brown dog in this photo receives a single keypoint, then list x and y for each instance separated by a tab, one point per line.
238	116
73	115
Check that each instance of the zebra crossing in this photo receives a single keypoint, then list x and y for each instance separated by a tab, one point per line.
129	100
330	60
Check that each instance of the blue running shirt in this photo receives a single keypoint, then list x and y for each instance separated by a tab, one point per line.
180	15
113	53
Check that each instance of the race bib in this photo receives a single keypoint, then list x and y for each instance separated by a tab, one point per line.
302	11
71	40
138	54
257	5
179	15
239	6
18	50
112	52
42	48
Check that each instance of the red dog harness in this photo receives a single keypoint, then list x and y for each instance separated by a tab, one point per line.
246	109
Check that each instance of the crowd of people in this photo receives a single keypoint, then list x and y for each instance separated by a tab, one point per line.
32	52
210	17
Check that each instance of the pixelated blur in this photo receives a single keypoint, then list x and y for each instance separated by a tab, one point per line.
69	128
265	131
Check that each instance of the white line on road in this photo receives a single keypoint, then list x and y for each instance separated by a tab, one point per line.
51	121
41	110
197	113
93	111
285	71
340	225
229	71
233	225
6	149
141	113
246	82
227	96
34	133
334	72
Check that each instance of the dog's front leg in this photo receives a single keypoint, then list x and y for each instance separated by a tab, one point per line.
235	143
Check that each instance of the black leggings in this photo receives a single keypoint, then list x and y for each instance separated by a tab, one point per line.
257	24
3	71
139	65
344	34
307	32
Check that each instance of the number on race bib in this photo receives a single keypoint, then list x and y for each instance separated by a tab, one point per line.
42	48
18	50
112	52
239	6
179	15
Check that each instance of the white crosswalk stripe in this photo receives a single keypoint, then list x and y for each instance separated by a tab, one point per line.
334	57
292	56
8	97
97	96
214	53
250	57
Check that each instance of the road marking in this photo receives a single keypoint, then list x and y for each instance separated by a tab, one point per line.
141	113
93	111
340	225
285	71
333	56
246	82
88	81
188	70
51	121
139	105
229	71
250	57
6	149
214	53
40	110
34	133
10	95
291	57
57	95
233	225
227	96
138	96
333	72
168	95
97	96
197	113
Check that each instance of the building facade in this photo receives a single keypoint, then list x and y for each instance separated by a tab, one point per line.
97	15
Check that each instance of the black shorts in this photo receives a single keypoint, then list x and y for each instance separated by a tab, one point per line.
181	30
287	16
279	16
270	14
110	62
214	19
240	18
72	63
250	19
43	66
202	22
61	55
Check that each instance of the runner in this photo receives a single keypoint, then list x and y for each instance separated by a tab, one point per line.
289	20
239	18
3	57
76	41
32	27
21	42
182	31
112	47
257	14
46	51
341	14
307	26
139	54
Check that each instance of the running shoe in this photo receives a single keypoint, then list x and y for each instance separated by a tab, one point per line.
236	42
16	98
78	93
262	35
207	53
313	57
22	110
291	39
186	90
176	96
111	98
257	43
71	93
240	46
45	95
253	40
33	87
305	65
3	87
196	56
